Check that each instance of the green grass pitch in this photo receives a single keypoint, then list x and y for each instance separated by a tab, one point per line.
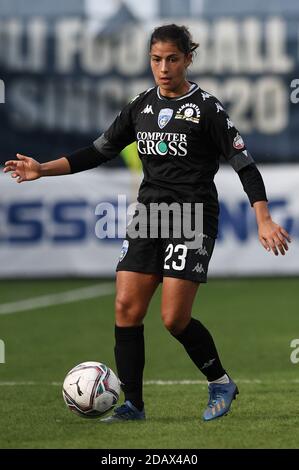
252	321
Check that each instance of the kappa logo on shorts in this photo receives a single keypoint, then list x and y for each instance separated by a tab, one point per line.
202	251
124	250
198	268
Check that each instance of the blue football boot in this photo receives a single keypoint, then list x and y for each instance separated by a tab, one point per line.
220	400
125	412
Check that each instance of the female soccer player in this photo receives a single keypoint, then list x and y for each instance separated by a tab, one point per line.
181	132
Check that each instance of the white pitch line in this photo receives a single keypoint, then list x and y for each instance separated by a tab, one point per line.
66	297
164	382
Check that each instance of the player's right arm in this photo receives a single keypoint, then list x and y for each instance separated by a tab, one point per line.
29	169
120	134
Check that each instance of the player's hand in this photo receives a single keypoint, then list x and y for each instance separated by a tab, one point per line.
274	237
24	169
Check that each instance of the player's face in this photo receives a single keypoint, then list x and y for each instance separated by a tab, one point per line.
169	66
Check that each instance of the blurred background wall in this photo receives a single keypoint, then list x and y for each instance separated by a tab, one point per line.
67	68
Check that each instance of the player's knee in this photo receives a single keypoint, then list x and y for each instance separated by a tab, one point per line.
127	312
174	325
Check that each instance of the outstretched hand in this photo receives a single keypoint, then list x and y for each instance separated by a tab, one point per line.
23	169
273	237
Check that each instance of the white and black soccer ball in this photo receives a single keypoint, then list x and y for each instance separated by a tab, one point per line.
91	389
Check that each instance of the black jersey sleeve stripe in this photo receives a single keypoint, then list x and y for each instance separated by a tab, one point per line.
253	183
240	160
106	148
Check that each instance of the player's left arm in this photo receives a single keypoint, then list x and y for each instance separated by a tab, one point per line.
231	145
271	235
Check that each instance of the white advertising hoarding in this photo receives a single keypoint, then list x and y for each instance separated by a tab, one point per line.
47	227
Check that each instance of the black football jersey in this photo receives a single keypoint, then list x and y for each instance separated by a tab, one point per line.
180	141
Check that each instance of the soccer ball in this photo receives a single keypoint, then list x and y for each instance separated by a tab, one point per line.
91	389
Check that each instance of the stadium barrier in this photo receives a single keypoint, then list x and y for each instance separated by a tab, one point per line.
47	227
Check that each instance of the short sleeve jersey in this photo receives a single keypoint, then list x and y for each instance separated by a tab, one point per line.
180	142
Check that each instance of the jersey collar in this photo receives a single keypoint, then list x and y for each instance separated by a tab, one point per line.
194	87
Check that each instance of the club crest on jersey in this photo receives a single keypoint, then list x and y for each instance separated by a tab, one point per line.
188	112
238	142
124	250
164	117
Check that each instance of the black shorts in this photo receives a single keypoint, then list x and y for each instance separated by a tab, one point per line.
167	257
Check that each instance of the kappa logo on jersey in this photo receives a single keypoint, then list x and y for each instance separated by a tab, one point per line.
238	142
205	95
124	250
219	107
148	109
188	112
229	123
164	117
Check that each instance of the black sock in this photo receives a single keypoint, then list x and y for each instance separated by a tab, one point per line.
129	357
201	348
